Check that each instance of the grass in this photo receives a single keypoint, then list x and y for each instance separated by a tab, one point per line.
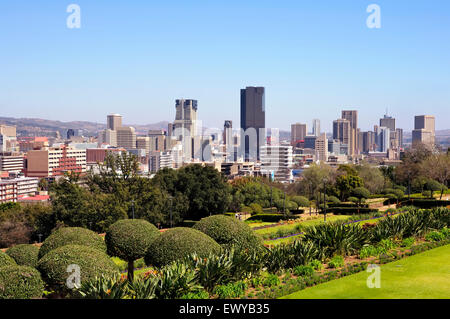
422	276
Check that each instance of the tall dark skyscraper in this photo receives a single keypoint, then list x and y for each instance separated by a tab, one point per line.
253	115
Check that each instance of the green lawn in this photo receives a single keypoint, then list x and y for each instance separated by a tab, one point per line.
422	276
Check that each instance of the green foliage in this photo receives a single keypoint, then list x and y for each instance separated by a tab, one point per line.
336	262
435	236
271	280
24	254
303	270
301	201
269	218
177	243
205	190
387	244
256	208
350	210
230	232
6	260
201	294
337	238
353	199
9	206
285	256
104	287
231	290
333	200
346	183
368	251
129	239
20	282
408	242
316	264
72	236
92	262
176	280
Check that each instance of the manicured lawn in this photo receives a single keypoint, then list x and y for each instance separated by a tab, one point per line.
422	276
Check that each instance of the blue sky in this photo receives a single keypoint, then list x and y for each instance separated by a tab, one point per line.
315	58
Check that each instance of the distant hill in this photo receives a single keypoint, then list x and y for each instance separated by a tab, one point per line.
42	127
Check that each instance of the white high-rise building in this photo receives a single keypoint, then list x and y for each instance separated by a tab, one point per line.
384	139
276	162
316	127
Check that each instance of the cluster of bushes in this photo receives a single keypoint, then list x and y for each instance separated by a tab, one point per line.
425	203
350	210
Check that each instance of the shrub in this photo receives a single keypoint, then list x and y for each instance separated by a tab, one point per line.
408	242
271	280
20	282
24	254
387	244
316	264
231	290
6	260
104	287
92	262
425	203
435	236
201	294
72	236
256	208
333	200
336	262
301	201
368	251
336	238
304	271
177	243
230	232
350	210
129	239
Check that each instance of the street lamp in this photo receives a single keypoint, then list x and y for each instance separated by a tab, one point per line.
324	201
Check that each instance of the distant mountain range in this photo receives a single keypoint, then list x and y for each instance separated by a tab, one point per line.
42	127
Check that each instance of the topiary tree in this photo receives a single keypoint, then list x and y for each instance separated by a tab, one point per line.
333	200
129	239
92	263
72	236
20	282
6	260
360	193
177	243
301	201
256	208
24	254
229	232
353	199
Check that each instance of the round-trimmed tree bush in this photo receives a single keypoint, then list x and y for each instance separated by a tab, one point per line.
24	254
72	236
91	262
129	239
6	260
229	232
20	282
177	243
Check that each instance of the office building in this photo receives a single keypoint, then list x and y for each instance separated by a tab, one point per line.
342	132
321	147
298	133
310	142
352	117
11	163
316	127
276	162
158	140
126	137
55	162
368	142
253	122
114	121
70	133
424	130
143	142
185	124
385	139
388	121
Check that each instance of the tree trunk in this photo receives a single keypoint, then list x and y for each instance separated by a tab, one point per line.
131	271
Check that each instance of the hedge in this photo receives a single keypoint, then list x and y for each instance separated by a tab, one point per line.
350	210
72	236
332	205
6	260
20	282
92	262
269	218
24	254
229	232
129	239
425	203
177	243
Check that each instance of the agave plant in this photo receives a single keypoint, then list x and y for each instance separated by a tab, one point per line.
277	258
176	280
337	238
104	287
302	252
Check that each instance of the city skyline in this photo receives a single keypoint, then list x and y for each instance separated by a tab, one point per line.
137	58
